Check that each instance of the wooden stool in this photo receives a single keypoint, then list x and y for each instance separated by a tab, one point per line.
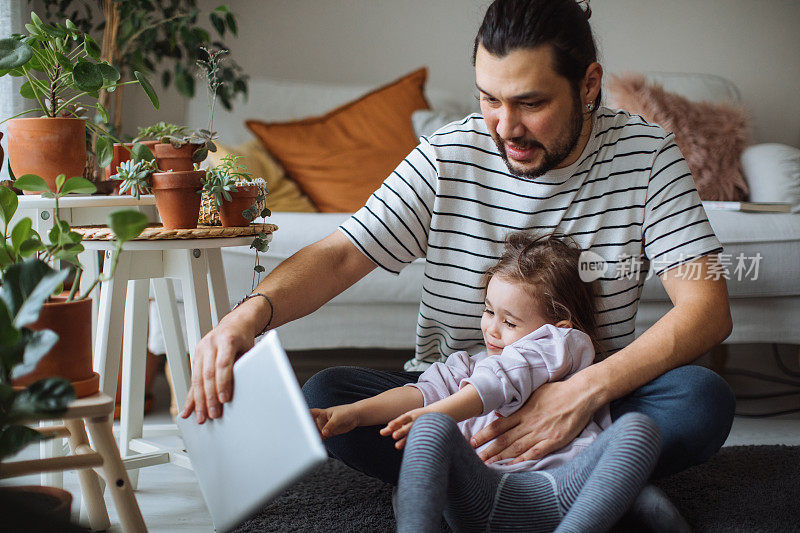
93	414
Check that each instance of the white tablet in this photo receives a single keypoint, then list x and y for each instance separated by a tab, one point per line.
264	441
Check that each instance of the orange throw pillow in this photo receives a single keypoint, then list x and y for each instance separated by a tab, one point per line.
340	158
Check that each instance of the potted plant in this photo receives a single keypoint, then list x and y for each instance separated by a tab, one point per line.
134	176
183	150
236	196
69	313
180	151
177	189
143	145
43	336
61	65
26	286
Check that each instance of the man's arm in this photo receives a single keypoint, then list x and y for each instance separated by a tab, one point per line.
557	412
298	286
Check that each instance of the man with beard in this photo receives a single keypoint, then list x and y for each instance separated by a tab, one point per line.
542	156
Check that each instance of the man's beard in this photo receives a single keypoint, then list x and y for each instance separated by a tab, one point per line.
564	146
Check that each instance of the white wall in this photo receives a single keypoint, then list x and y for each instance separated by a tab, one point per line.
754	43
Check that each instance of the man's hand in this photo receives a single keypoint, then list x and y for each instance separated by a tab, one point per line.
551	418
335	420
212	368
400	426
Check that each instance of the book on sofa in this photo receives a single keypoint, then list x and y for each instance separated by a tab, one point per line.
755	207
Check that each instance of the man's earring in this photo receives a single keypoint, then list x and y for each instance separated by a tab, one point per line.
590	107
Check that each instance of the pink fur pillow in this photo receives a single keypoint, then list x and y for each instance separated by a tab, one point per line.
711	136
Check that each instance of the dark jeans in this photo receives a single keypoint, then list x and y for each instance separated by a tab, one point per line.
692	406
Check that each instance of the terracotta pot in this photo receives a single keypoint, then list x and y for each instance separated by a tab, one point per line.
242	198
178	197
174	159
40	507
122	153
47	147
71	357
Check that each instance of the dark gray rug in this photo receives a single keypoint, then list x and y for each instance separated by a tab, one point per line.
742	489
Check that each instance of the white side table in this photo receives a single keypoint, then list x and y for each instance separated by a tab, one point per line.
197	264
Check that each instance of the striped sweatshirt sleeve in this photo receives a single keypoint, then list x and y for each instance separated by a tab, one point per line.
392	228
676	229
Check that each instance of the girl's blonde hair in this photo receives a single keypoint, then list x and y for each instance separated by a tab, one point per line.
547	267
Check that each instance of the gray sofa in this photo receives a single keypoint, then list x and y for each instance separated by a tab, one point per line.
380	311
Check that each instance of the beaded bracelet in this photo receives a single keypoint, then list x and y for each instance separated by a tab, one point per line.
271	308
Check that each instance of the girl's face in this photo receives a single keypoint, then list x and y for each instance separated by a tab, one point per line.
510	314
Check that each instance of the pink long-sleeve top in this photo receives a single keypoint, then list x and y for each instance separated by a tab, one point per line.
504	382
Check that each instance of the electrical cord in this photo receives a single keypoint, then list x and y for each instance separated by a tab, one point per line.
772	379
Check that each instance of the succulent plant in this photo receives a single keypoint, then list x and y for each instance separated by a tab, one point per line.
135	176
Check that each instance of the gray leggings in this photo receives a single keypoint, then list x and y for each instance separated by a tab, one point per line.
442	474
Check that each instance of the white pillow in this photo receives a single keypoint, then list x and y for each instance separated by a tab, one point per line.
426	121
772	172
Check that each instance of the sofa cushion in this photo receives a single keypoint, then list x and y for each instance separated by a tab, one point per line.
772	172
340	158
284	195
297	230
711	136
775	236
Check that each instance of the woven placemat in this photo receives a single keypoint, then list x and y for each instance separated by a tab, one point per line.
157	232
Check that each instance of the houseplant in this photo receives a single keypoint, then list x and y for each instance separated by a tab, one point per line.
134	176
177	190
180	151
236	196
26	286
61	66
72	356
192	146
35	360
143	145
157	38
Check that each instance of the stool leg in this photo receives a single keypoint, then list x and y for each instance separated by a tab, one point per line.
134	356
218	287
115	475
90	259
196	302
179	369
109	324
91	491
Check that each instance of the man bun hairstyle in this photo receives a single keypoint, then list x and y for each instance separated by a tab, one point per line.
547	267
511	25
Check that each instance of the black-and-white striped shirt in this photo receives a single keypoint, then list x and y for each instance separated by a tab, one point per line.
629	198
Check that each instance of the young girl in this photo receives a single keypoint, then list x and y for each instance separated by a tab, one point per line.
537	326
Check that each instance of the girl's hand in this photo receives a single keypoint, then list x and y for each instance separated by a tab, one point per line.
335	420
400	426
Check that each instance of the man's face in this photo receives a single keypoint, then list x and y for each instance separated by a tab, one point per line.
533	114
